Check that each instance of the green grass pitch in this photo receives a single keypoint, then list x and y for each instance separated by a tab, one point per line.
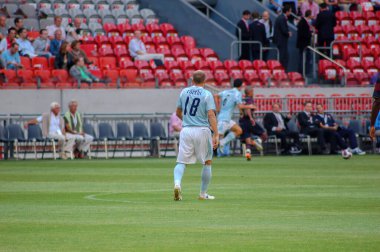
319	203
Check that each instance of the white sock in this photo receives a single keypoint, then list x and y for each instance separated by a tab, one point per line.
230	136
179	170
206	178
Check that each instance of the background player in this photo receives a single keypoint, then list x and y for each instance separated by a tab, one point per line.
196	107
226	102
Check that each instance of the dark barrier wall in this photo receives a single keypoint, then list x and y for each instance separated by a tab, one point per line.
233	10
189	21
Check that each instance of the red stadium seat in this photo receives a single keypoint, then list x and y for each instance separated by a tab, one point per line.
168	29
113	76
188	42
148	79
178	79
280	78
154	30
40	63
367	53
128	78
95	61
90	49
327	70
370	41
208	54
350	31
174	42
106	50
202	65
275	66
222	78
245	64
107	63
140	27
362	78
252	78
357	17
102	40
236	74
44	78
121	52
265	78
117	41
338	31
172	65
216	64
164	80
111	29
179	54
376	31
166	52
28	79
125	29
210	79
86	40
161	42
186	65
350	52
370	18
26	62
32	35
12	79
296	79
142	64
343	18
364	31
194	54
231	65
354	65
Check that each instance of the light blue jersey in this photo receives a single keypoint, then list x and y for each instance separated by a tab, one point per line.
228	101
195	102
377	122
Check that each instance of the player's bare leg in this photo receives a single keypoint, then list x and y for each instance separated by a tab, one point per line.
235	132
206	178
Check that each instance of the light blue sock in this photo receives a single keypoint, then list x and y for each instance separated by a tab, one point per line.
179	169
206	177
230	136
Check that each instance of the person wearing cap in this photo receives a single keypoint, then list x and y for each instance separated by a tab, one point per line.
53	127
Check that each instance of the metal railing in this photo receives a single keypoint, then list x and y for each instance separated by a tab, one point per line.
253	42
344	81
346	42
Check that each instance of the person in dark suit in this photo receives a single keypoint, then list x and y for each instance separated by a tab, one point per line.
243	24
304	33
324	24
258	33
326	121
276	124
282	34
310	127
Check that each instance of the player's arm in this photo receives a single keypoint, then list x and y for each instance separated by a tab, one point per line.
30	122
217	102
374	112
179	113
214	127
246	106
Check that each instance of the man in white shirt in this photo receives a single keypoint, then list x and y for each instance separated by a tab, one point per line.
53	128
25	46
138	51
57	25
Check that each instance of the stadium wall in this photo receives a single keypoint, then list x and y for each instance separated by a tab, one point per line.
189	21
127	100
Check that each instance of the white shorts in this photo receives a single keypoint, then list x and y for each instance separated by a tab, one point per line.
195	143
224	126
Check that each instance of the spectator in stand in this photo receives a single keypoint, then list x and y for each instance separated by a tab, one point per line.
53	128
74	129
56	26
3	25
25	46
138	51
258	34
312	6
282	34
327	122
56	43
42	44
276	124
175	125
19	23
11	38
348	5
268	31
304	33
64	60
74	30
243	25
3	43
11	58
324	24
333	5
76	52
310	127
80	72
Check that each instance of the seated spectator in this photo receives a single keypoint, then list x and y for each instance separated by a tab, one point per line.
76	52
63	60
56	43
3	43
3	25
276	124
333	5
249	126
310	5
11	58
74	30
74	129
348	5
25	46
11	38
19	23
309	127
175	125
137	50
80	72
56	26
42	44
327	122
53	127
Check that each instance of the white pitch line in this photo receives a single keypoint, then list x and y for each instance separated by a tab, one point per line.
95	196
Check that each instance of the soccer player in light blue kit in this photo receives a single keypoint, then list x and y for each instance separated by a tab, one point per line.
196	108
227	101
